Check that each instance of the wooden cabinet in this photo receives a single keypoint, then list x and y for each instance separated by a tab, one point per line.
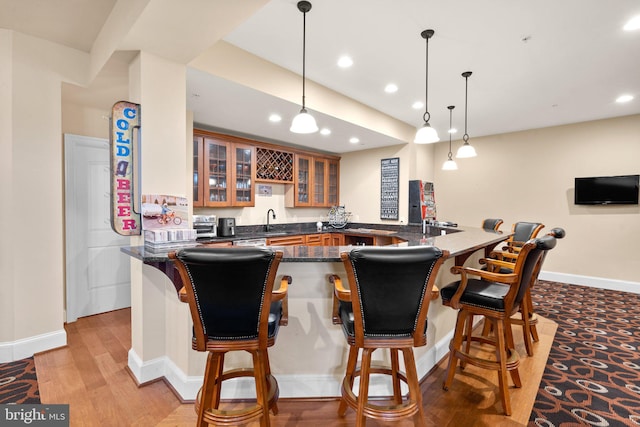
314	240
223	172
333	239
316	182
286	240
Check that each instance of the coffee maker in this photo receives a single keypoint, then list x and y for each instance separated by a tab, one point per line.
226	227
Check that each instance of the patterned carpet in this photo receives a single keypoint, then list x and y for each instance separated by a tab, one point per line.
18	382
592	377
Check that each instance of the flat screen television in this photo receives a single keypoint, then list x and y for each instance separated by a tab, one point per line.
607	190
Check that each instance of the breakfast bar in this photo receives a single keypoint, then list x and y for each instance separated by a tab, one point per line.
308	359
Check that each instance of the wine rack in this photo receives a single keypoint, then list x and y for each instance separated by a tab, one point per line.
273	165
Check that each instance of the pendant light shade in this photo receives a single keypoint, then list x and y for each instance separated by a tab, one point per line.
450	164
304	122
466	150
426	134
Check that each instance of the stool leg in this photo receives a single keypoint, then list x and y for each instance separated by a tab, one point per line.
467	335
454	346
219	370
274	406
395	368
262	395
208	390
501	356
363	392
352	361
414	386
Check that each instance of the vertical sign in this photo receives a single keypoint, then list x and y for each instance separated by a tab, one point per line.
125	168
389	184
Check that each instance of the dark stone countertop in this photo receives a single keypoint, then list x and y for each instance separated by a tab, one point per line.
458	241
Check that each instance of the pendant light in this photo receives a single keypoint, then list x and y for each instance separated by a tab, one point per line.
304	122
426	134
466	150
450	164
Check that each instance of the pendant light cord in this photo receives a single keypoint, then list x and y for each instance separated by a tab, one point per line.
304	54
450	107
466	75
426	115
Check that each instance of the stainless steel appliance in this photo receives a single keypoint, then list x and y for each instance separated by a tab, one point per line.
226	227
206	226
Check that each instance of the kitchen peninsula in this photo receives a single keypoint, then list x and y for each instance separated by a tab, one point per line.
308	358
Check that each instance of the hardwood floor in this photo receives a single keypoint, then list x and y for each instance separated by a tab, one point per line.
90	375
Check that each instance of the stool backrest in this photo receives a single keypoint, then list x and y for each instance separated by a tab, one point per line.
527	266
391	290
229	291
492	224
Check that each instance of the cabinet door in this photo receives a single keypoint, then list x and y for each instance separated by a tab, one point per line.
216	173
333	196
303	184
244	173
198	198
314	240
319	184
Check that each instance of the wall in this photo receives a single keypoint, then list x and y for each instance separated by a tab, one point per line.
360	179
34	69
529	176
524	176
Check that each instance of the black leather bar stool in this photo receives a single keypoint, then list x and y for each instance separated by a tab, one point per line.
488	296
526	315
234	308
385	307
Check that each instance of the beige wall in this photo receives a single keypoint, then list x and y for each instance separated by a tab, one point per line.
525	176
529	176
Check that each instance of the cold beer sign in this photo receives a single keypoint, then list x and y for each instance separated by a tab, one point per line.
125	168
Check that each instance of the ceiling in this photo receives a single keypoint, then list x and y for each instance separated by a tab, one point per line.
534	64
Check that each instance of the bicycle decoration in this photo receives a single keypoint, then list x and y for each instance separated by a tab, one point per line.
338	217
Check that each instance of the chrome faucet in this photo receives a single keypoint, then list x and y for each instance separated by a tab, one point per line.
273	215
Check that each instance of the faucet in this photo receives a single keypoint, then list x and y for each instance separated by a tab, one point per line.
273	215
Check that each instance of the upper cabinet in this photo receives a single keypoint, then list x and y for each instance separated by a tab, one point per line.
226	169
223	172
316	182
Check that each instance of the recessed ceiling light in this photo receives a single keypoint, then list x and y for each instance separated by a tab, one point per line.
632	24
345	61
354	140
624	98
275	118
391	88
325	131
453	130
418	105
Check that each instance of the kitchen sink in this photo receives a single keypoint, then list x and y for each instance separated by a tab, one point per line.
274	233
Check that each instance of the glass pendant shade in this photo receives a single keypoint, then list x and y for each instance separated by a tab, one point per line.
303	123
466	151
426	135
450	165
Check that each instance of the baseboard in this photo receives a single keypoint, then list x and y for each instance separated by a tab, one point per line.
593	282
27	347
291	386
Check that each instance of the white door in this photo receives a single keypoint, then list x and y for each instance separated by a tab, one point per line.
98	275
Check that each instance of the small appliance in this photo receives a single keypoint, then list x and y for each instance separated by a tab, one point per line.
226	227
206	226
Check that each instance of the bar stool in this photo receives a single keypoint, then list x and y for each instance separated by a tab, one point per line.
234	308
385	307
489	297
526	316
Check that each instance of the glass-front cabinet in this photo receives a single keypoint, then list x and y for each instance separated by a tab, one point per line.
244	160
316	183
223	173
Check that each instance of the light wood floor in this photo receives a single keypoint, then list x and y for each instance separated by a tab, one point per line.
90	375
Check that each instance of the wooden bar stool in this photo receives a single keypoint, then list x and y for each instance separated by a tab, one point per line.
234	308
385	307
497	297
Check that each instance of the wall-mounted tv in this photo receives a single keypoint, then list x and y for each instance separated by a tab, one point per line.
607	190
